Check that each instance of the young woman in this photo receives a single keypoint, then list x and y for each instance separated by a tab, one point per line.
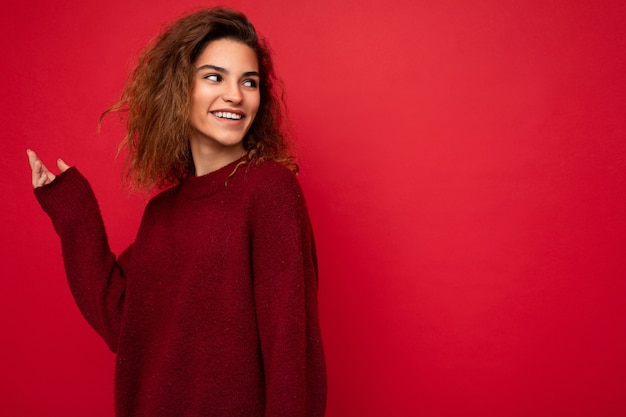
212	311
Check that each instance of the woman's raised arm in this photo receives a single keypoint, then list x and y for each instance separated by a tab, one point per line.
96	277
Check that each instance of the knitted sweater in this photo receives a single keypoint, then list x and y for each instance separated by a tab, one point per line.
212	311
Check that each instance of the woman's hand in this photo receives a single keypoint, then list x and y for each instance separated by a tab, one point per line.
41	174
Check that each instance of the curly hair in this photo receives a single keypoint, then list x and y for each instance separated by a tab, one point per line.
157	100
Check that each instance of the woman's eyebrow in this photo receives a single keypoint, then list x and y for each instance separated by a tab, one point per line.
225	71
213	67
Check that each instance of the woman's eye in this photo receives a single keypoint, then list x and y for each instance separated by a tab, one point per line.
213	77
250	83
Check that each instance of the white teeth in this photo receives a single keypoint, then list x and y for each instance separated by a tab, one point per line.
227	115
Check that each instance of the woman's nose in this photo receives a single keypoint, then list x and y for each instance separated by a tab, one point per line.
232	93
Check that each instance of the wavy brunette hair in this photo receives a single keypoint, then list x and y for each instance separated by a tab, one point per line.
157	100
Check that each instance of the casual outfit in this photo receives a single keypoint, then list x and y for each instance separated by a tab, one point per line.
212	311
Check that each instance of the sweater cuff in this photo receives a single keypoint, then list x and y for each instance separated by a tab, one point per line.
69	195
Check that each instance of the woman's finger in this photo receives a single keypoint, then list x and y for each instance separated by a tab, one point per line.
40	174
37	173
49	177
32	157
40	182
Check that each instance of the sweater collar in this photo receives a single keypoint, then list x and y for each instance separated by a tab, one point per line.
208	184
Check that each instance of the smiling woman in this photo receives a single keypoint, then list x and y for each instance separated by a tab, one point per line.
159	91
213	309
225	101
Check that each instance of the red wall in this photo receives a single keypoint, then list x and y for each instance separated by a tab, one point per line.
465	168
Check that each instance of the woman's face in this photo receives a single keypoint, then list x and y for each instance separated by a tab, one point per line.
225	96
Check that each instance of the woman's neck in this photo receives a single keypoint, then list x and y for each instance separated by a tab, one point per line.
208	158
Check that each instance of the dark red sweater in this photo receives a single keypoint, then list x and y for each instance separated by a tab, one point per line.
212	311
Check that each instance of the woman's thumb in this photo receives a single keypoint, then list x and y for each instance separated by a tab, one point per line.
62	165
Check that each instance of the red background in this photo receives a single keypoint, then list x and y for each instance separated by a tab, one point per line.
464	164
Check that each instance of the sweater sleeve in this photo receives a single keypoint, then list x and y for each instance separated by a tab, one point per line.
285	276
95	276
